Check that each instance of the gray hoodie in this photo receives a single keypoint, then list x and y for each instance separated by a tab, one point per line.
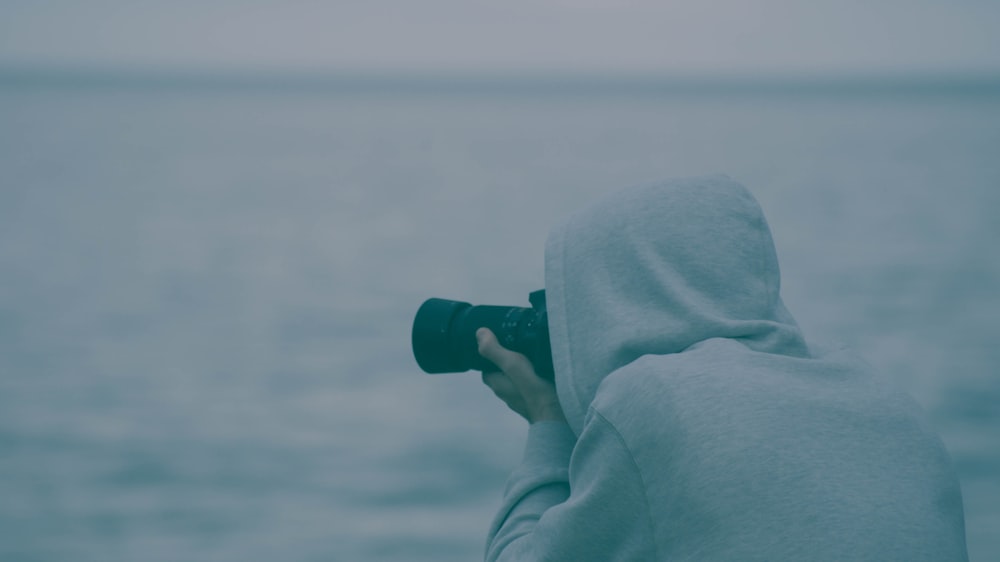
701	424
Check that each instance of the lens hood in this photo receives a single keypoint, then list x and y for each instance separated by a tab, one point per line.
432	334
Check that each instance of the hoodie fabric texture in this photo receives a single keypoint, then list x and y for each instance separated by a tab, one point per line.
701	426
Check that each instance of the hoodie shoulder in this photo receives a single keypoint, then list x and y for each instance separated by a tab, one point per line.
800	458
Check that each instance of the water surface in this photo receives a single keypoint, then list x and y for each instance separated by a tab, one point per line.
206	294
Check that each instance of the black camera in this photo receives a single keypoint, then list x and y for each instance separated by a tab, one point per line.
444	334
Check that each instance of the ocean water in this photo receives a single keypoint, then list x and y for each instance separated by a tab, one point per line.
206	294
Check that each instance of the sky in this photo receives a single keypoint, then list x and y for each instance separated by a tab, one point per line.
590	36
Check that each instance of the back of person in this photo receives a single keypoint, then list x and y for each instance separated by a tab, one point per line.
751	456
697	423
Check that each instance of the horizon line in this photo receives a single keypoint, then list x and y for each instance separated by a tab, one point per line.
112	76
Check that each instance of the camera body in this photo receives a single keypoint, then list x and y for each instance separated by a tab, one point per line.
444	334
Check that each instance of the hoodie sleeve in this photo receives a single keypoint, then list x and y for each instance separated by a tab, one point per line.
573	503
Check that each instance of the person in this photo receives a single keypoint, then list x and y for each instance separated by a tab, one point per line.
690	420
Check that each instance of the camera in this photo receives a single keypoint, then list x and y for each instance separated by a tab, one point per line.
444	334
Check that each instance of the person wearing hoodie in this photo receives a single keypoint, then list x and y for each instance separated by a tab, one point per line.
690	420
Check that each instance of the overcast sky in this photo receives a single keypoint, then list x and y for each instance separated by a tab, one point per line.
630	36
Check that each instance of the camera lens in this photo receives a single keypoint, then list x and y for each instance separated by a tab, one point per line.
444	335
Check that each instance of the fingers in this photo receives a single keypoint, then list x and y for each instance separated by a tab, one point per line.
489	347
516	383
508	361
500	384
505	390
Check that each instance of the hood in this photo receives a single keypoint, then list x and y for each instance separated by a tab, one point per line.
656	269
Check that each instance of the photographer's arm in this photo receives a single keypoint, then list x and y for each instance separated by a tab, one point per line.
575	500
592	508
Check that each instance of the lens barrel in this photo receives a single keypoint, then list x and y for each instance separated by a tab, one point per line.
444	335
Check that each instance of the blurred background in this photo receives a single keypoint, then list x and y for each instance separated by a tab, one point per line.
217	220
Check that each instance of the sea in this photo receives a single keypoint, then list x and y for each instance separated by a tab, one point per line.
207	287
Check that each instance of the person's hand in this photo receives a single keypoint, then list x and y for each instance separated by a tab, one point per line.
516	383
